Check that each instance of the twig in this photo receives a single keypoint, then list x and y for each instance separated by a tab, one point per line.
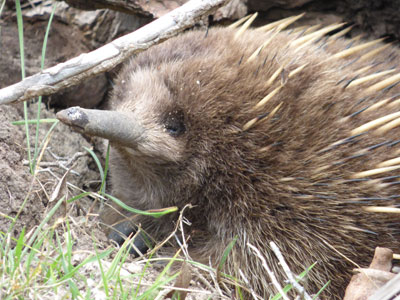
59	163
389	290
128	7
74	71
183	245
246	281
163	293
134	282
214	279
203	280
289	273
159	245
69	160
269	271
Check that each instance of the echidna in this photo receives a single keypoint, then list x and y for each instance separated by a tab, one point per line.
284	136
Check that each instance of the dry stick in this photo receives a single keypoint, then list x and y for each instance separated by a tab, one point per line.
159	245
203	280
389	290
289	274
125	6
269	271
62	163
214	278
246	281
75	70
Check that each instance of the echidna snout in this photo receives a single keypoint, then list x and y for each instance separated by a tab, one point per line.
288	136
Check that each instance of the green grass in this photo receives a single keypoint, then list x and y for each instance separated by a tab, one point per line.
43	264
32	159
44	47
22	57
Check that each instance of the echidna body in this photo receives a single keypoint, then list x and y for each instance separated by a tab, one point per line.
272	136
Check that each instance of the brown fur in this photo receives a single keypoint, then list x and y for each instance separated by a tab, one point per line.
281	180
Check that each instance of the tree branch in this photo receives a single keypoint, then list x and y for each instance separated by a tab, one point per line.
125	6
75	70
146	8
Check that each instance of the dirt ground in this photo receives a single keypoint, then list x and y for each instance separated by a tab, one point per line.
65	148
18	184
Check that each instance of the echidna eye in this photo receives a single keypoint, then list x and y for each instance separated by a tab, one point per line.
174	123
175	129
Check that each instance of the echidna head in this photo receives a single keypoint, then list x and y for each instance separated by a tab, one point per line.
146	97
177	116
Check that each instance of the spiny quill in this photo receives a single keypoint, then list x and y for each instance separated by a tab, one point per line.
285	136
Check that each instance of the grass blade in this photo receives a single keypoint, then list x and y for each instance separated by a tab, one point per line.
156	213
79	197
288	287
103	181
36	152
22	56
97	161
224	257
321	290
45	220
22	122
18	248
